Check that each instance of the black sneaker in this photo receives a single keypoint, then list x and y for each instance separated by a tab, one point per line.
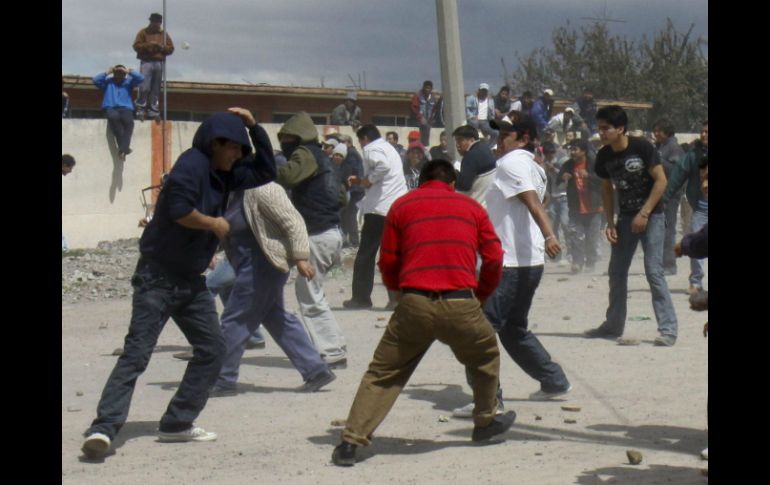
338	364
600	333
315	384
500	424
356	305
222	391
344	454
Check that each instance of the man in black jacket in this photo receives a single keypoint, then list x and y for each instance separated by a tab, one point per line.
176	248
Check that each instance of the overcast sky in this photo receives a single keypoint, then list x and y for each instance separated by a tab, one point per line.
301	42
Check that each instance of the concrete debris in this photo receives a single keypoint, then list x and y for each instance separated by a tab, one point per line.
99	274
634	456
572	409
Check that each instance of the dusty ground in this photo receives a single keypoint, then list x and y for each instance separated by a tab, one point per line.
647	398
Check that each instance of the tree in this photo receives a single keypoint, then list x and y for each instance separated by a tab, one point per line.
669	71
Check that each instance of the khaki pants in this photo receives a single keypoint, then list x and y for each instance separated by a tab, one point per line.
415	324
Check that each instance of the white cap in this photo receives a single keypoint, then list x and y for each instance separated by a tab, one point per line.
549	92
330	141
569	108
483	86
342	149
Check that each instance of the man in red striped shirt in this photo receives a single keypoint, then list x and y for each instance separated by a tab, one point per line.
428	253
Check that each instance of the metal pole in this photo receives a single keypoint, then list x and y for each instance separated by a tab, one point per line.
165	22
450	55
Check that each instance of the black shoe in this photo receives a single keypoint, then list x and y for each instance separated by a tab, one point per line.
222	391
356	305
344	454
500	424
600	333
339	364
316	383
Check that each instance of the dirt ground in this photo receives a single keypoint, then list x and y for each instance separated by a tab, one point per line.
645	398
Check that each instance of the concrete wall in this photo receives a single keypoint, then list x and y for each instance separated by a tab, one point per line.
102	197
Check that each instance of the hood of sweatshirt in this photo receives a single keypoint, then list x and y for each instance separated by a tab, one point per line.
221	125
300	125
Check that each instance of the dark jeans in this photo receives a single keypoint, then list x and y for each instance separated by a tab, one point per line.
349	219
157	296
620	261
507	310
425	135
671	210
149	90
121	122
363	268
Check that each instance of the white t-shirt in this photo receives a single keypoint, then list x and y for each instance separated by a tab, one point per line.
523	243
484	109
384	169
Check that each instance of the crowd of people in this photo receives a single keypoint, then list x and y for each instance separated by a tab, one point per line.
462	244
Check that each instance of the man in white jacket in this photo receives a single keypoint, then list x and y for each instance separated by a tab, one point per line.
384	183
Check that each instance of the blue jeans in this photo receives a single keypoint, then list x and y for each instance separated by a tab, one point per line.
558	211
257	296
620	261
507	310
671	210
149	90
484	127
121	123
158	296
220	282
699	219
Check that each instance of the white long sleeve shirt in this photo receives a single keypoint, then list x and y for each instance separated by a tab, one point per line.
383	168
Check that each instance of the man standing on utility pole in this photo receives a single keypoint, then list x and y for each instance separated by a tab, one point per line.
152	46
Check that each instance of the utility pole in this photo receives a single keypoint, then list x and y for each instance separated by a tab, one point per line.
453	88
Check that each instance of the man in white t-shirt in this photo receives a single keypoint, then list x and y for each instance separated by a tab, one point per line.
384	183
514	204
480	110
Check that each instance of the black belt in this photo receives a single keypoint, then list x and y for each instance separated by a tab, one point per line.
441	295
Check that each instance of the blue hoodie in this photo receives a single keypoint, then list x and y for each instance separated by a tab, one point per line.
194	184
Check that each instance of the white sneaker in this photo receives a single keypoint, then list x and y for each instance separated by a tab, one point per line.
193	434
705	454
545	396
96	445
467	410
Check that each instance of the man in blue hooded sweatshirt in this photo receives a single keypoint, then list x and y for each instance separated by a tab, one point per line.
176	248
